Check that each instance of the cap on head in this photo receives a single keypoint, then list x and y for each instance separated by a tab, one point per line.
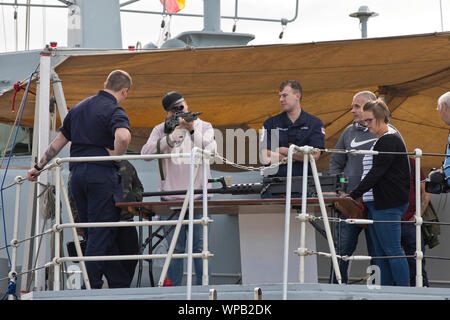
171	99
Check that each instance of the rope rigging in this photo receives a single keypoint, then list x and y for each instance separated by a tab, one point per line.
17	87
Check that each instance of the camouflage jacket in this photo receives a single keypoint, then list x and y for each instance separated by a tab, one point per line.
132	189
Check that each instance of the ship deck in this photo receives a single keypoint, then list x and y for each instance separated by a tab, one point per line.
295	291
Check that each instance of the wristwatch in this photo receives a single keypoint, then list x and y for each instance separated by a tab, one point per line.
37	167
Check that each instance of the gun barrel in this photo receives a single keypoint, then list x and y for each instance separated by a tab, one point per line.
237	189
190	116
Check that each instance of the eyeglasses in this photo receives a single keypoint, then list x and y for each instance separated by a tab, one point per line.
369	120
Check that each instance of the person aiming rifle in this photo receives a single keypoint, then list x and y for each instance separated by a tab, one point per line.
174	173
174	121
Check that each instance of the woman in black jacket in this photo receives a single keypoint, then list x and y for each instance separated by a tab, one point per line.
384	189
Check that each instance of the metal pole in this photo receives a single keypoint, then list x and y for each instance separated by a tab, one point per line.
287	214
285	21
13	272
16	4
325	219
75	235
174	240
59	96
175	237
129	2
191	226
27	26
211	15
205	278
363	21
44	98
301	270
119	158
31	207
419	253
126	224
16	26
123	257
57	267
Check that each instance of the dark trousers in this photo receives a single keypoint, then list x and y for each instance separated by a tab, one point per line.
95	190
409	246
128	245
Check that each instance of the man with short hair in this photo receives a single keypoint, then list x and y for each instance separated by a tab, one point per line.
355	136
97	126
292	126
174	173
444	112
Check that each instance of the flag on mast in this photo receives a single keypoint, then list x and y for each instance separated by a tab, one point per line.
173	6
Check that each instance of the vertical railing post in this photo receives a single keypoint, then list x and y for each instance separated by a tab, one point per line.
302	250
418	217
43	136
87	284
19	182
191	225
176	232
57	267
13	271
326	224
205	257
30	228
287	217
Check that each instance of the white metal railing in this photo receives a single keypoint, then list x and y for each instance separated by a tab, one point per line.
197	157
302	251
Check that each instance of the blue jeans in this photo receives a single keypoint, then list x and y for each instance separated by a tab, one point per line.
386	239
409	246
346	240
176	267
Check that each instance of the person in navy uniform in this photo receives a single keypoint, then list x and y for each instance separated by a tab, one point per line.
96	126
292	126
127	237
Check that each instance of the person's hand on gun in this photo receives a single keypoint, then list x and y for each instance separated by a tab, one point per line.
189	126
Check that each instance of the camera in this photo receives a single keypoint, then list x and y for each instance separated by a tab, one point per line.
436	182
